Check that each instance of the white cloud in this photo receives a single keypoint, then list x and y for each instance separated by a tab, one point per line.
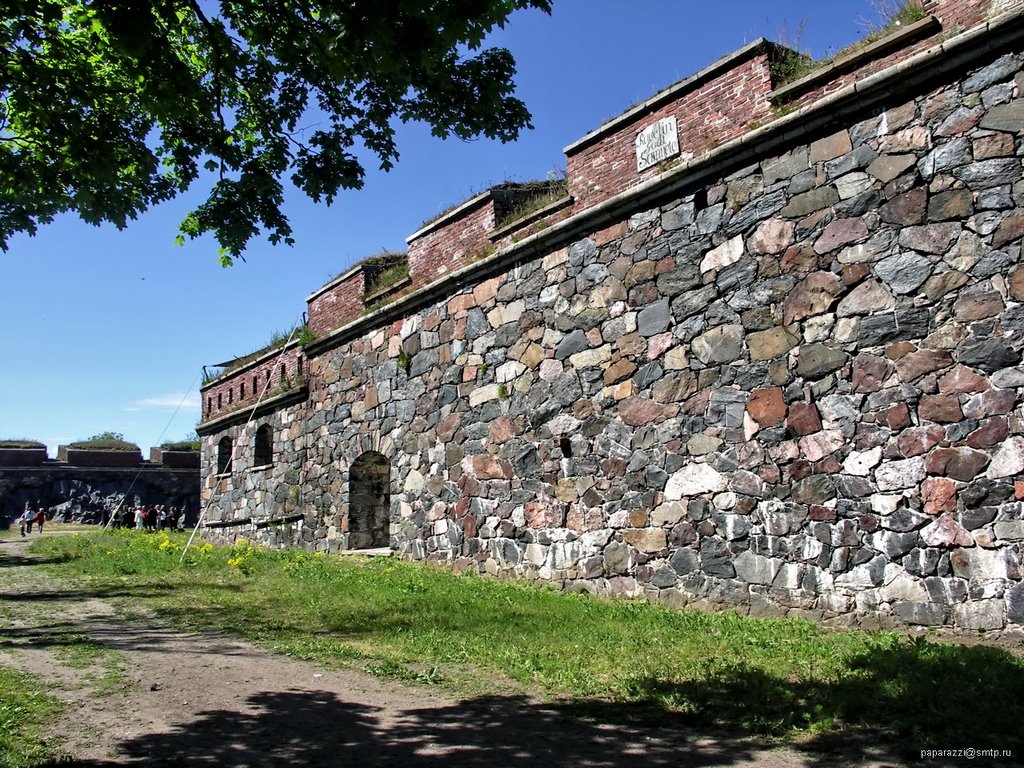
188	402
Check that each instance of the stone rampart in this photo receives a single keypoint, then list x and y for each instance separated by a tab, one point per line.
784	375
81	494
22	457
88	457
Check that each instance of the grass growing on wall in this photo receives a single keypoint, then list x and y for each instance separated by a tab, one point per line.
182	445
893	14
387	278
190	442
780	678
278	339
21	442
556	190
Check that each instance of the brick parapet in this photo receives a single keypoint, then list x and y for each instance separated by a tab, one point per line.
475	229
279	370
22	457
456	239
84	457
337	303
946	19
174	459
34	457
728	101
794	125
719	103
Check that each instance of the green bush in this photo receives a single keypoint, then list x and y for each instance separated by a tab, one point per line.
105	441
190	443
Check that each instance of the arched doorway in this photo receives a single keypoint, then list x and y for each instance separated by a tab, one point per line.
369	501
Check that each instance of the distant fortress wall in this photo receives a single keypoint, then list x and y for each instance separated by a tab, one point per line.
81	488
761	350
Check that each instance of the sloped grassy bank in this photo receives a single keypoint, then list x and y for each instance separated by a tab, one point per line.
787	679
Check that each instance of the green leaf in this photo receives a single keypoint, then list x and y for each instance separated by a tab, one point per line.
114	107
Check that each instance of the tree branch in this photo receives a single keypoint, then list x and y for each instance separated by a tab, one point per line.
218	55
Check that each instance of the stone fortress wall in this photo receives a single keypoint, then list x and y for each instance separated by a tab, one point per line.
769	361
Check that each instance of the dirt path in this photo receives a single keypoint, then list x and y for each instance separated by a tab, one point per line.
152	696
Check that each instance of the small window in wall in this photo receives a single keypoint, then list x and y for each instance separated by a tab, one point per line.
255	385
220	401
209	405
284	372
565	446
231	395
700	200
241	390
224	455
264	449
268	375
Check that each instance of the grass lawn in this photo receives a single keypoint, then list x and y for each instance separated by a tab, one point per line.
24	708
13	532
788	679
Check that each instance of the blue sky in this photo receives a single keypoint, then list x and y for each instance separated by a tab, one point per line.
107	330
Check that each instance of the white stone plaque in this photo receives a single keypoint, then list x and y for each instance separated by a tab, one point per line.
656	142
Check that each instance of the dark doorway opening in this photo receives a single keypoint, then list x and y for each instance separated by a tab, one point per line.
369	501
224	455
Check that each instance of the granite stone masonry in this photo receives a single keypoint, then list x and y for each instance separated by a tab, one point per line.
785	376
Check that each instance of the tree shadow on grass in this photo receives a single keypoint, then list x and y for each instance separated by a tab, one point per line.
886	704
30	595
18	561
897	699
55	636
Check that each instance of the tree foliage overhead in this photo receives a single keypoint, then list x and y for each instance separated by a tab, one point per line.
110	106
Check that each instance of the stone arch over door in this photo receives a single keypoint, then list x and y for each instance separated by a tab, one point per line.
369	501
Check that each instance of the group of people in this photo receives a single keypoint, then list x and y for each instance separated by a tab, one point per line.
32	514
158	517
153	517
